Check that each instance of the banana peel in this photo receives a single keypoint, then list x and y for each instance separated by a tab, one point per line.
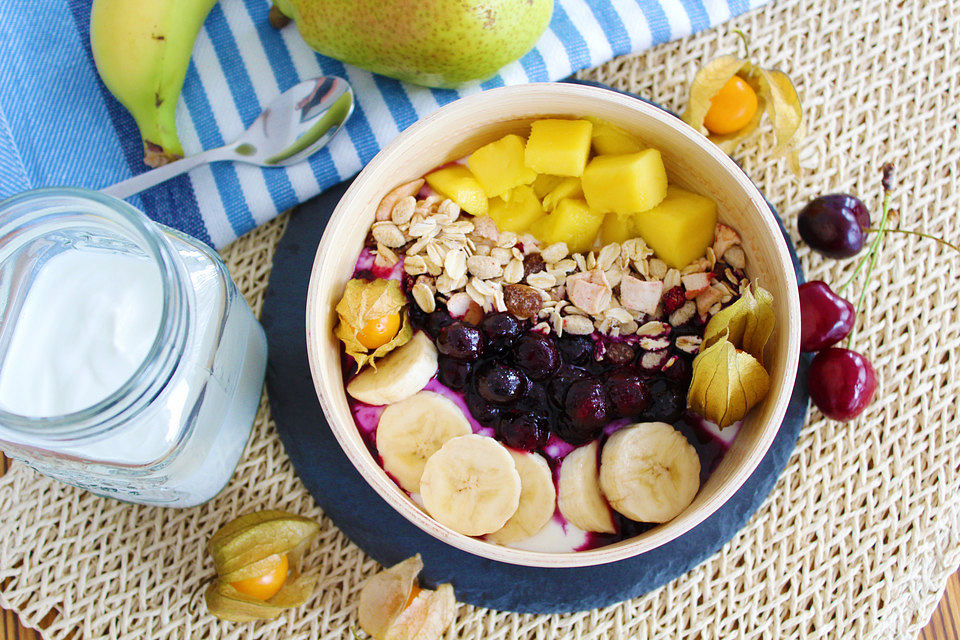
776	97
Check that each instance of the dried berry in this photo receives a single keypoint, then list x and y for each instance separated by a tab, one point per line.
522	301
673	299
533	263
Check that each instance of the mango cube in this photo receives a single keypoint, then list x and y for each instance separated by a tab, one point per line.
616	228
680	228
545	183
609	139
558	147
567	188
518	212
499	167
572	222
626	183
457	183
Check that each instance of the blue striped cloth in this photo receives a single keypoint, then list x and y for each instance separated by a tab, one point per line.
60	126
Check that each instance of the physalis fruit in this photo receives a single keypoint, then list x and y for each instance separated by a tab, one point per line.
394	607
373	319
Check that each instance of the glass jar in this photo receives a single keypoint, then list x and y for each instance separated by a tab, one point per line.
171	432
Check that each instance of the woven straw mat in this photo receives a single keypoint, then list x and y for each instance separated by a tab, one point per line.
861	531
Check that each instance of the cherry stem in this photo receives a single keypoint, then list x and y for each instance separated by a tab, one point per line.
871	258
746	43
920	234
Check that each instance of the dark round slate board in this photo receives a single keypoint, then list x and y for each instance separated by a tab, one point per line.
385	535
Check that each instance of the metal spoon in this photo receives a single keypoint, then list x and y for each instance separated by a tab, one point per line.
300	121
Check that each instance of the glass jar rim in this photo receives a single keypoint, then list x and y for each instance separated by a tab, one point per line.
149	236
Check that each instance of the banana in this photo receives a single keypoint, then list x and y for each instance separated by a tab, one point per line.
142	50
471	485
649	472
538	499
403	372
580	500
412	430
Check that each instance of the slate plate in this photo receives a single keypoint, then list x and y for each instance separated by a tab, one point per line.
386	536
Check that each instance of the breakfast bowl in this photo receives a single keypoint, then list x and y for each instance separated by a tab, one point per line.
691	162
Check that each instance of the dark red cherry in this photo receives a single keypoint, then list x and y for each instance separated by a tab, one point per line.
825	317
841	382
834	225
461	341
526	432
587	405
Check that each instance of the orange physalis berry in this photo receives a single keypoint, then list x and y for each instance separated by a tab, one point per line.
732	108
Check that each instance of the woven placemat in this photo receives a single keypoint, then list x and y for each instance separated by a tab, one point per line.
863	527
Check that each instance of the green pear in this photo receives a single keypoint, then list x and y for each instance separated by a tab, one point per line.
437	43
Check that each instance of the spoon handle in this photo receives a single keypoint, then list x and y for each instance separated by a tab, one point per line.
145	180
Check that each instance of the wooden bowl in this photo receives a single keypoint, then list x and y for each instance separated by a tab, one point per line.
691	161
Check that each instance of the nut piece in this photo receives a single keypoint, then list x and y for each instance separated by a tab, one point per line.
735	257
522	301
484	267
386	205
555	252
577	325
387	234
724	237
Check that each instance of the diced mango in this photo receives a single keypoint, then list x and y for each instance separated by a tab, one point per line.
572	222
545	183
558	147
518	212
457	183
626	183
567	188
499	167
616	228
609	139
680	228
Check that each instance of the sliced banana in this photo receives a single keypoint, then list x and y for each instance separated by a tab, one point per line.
399	375
471	485
538	499
412	430
649	472
579	498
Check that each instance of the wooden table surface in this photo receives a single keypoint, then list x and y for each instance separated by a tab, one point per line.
944	625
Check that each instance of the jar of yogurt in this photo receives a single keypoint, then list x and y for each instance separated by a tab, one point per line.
130	365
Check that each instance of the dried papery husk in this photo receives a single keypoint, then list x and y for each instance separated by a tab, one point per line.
385	594
747	323
427	617
246	547
227	603
726	383
776	97
760	326
252	546
363	301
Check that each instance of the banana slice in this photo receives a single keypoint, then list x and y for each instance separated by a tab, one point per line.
399	375
649	472
580	500
412	430
538	499
471	485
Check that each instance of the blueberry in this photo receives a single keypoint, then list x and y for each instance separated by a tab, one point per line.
501	331
526	432
668	400
536	399
461	341
482	411
500	383
587	405
576	350
679	370
435	322
537	355
559	384
454	373
628	394
573	433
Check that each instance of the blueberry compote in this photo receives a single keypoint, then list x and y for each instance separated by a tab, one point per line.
535	392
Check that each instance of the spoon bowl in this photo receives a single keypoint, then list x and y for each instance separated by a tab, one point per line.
294	126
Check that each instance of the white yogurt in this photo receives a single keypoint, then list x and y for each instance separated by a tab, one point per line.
86	325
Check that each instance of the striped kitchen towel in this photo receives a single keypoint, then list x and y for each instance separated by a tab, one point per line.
60	126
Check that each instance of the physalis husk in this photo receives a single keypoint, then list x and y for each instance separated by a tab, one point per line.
362	302
728	374
776	96
251	546
393	607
